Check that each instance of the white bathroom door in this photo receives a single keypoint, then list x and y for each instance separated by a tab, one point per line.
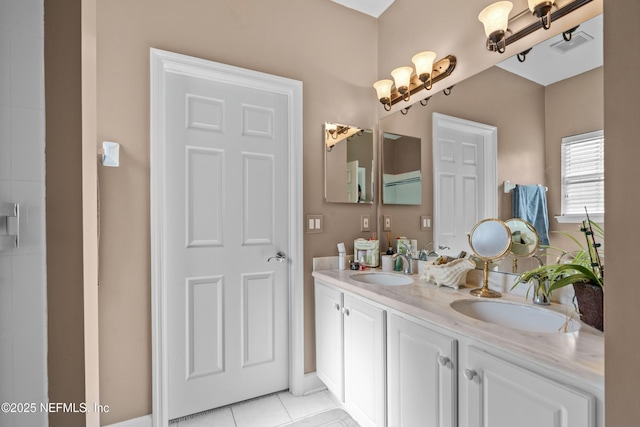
226	206
464	179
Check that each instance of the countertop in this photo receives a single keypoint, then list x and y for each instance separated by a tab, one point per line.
578	354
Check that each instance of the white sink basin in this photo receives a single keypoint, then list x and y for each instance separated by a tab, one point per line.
516	316
384	279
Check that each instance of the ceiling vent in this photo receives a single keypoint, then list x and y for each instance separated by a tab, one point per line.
578	39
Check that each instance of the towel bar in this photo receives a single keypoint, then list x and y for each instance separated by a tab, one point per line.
9	225
508	186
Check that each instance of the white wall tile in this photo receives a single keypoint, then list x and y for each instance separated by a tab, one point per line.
5	15
27	71
5	65
23	331
5	143
27	17
27	144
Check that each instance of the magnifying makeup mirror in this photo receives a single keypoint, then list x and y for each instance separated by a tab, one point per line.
489	240
524	240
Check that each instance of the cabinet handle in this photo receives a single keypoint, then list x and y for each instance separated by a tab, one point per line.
337	306
345	311
470	374
443	360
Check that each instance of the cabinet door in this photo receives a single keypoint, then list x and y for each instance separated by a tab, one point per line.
421	375
329	338
501	394
364	348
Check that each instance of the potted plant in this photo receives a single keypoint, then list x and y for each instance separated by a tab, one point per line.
582	269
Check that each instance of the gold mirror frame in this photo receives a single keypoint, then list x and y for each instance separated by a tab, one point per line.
500	244
517	250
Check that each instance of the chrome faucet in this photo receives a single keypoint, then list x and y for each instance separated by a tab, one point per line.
406	259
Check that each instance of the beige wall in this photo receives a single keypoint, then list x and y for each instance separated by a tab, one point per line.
64	208
331	49
622	200
572	106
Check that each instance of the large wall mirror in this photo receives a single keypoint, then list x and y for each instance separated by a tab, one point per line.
401	170
349	171
531	116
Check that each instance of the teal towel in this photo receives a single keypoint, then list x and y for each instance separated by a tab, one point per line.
530	204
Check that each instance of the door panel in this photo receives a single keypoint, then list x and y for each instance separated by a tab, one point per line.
464	173
226	214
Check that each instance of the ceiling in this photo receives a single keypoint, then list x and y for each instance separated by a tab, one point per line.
545	64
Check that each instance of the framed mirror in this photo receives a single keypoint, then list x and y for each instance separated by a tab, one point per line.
401	170
524	238
349	171
489	240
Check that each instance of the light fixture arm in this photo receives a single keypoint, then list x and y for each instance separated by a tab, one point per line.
522	56
440	70
568	35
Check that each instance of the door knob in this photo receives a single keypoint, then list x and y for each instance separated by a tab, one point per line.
280	257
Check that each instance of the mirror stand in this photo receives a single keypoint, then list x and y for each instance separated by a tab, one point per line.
484	291
490	240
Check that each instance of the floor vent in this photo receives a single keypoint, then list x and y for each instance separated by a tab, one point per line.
580	38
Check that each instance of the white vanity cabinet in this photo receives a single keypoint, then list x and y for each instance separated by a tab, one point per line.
350	353
421	375
329	339
502	394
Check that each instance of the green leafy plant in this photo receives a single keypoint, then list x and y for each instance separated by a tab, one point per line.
581	266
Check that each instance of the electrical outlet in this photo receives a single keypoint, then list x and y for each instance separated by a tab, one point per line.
425	223
386	223
365	223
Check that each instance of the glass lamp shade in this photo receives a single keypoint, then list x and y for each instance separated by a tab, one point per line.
495	17
536	3
383	89
424	62
402	77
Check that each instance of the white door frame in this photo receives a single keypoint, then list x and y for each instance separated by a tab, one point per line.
490	136
163	63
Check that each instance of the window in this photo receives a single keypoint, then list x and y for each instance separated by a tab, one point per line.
583	176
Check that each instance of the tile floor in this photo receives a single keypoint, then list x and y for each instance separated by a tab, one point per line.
274	410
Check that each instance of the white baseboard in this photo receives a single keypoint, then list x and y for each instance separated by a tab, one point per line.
312	383
144	421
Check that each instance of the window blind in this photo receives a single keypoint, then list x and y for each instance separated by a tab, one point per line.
583	174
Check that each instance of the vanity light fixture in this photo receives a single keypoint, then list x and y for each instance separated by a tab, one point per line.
408	83
495	19
424	66
542	10
335	133
402	78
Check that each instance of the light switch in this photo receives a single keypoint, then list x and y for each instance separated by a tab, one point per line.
425	223
314	224
111	154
